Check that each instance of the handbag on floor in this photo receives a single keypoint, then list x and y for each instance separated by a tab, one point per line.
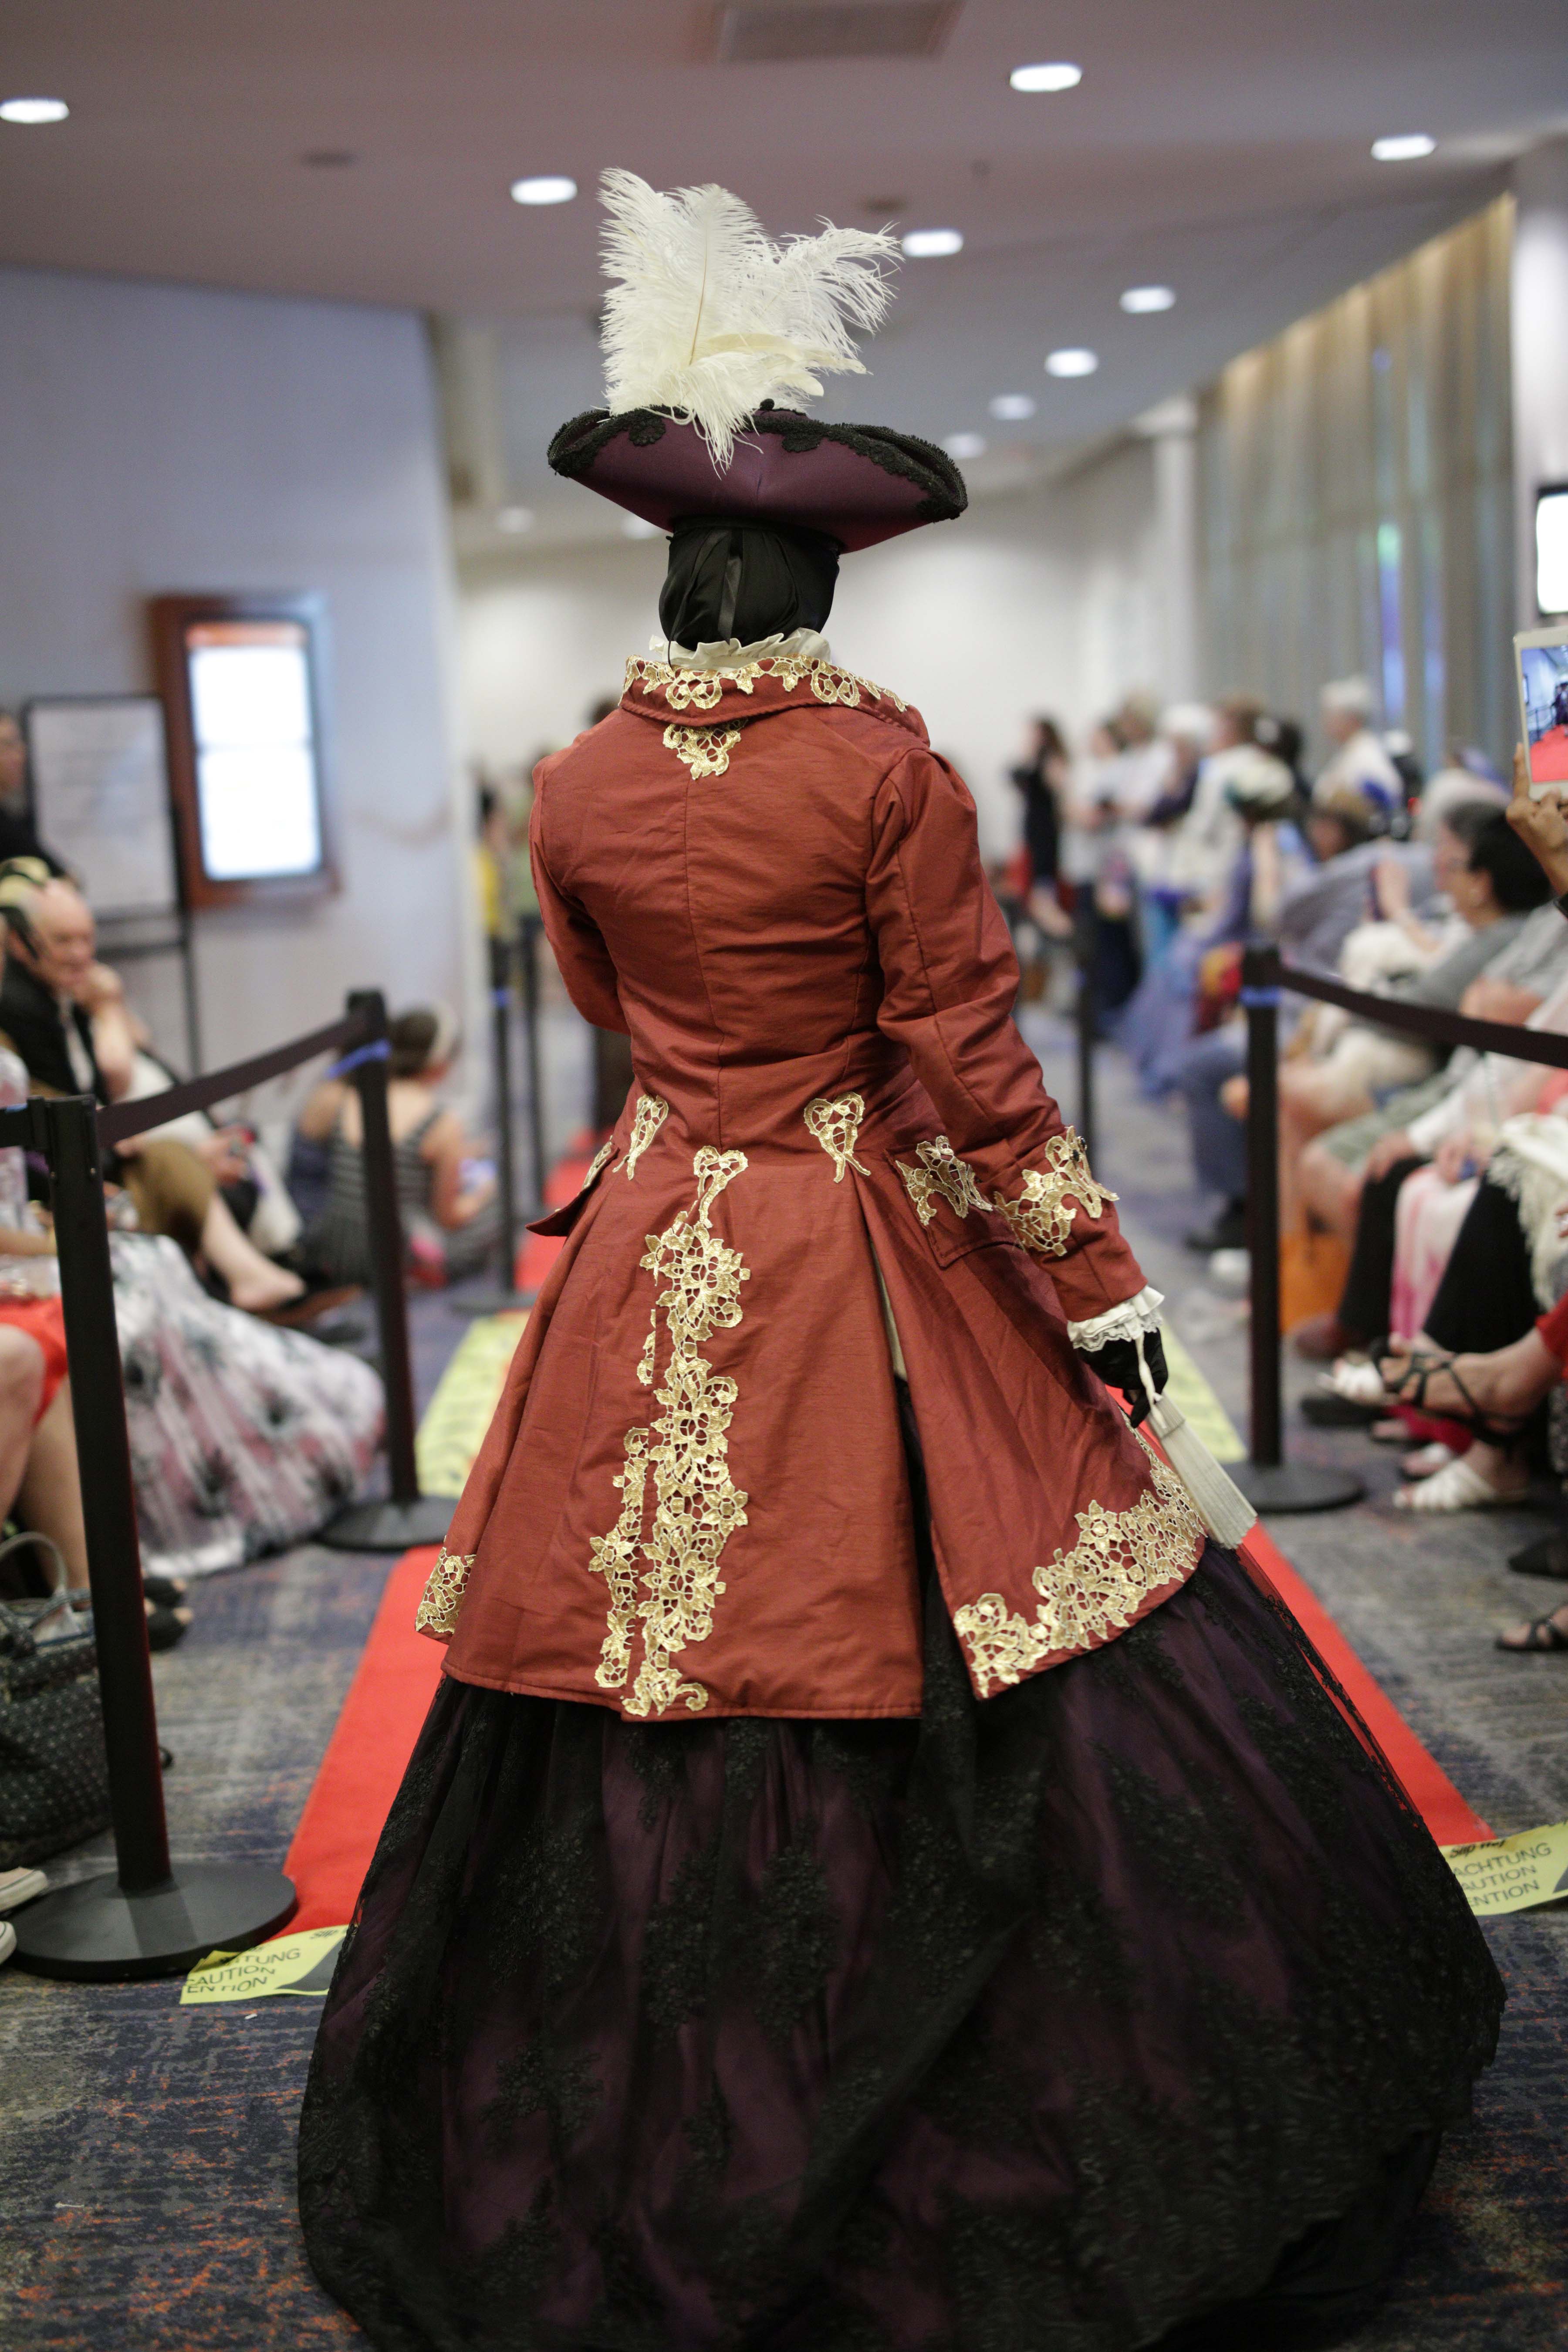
54	1773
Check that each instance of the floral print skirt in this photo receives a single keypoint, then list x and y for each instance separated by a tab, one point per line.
244	1438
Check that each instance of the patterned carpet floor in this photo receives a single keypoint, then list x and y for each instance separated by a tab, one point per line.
146	2150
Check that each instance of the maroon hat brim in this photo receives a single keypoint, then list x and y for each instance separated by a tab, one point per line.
858	484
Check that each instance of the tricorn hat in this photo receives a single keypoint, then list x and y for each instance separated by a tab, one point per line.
708	324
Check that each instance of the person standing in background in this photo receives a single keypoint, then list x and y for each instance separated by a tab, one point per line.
1043	779
1186	732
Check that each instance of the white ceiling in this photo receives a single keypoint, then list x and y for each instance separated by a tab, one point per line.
1222	148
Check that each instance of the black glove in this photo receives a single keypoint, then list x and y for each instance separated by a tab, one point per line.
1117	1365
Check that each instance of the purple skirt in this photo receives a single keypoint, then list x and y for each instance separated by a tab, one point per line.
1129	2000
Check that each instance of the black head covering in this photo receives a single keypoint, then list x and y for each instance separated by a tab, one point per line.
745	580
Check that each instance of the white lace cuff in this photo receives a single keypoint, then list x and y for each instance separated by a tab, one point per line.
1132	1320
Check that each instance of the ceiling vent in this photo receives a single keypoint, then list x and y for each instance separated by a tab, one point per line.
754	32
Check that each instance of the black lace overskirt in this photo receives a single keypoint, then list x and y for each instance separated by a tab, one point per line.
1041	2025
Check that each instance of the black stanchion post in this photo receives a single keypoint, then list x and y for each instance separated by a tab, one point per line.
1268	1480
528	943
1260	997
504	1298
151	1918
503	957
409	1517
1086	1014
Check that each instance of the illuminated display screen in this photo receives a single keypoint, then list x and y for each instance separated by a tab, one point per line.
258	801
1551	549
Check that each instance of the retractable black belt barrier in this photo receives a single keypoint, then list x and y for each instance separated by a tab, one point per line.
1267	1479
156	1917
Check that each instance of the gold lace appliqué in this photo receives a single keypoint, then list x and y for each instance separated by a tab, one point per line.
836	1126
1041	1218
443	1595
601	1159
941	1173
1120	1557
704	749
700	689
646	1119
696	1503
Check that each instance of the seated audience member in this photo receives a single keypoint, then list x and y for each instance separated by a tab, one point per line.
1360	763
244	1438
1342	1065
1315	918
19	835
450	1221
1352	1177
64	1015
1206	838
1499	1390
1196	982
40	1476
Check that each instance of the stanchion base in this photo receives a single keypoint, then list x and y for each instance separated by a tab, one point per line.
491	1302
95	1930
391	1526
1295	1486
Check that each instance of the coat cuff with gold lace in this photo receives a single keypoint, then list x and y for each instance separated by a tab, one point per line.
1041	1213
443	1598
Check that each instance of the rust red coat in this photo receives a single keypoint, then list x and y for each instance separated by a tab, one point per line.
693	1495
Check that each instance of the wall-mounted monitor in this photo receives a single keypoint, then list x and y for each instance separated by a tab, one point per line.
1551	549
241	680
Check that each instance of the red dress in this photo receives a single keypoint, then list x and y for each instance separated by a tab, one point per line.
694	1496
706	2017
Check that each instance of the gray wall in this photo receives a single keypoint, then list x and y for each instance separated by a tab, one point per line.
157	437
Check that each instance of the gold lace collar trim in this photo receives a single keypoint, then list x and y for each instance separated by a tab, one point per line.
702	689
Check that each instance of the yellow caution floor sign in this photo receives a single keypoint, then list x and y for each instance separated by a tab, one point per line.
302	1964
1513	1874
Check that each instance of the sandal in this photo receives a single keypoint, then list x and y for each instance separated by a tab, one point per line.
1548	1556
1409	1389
167	1623
1457	1488
1427	1460
1540	1636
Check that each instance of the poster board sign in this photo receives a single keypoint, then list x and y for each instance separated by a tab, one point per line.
101	797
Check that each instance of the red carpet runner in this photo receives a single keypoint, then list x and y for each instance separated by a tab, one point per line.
397	1677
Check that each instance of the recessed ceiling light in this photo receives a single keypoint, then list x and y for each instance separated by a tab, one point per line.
1057	76
966	444
33	109
515	519
635	527
548	188
1012	407
1139	299
1406	149
930	244
1074	361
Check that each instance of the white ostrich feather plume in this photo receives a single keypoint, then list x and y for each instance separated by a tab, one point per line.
710	318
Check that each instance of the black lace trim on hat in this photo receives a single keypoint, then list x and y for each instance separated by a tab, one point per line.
579	442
